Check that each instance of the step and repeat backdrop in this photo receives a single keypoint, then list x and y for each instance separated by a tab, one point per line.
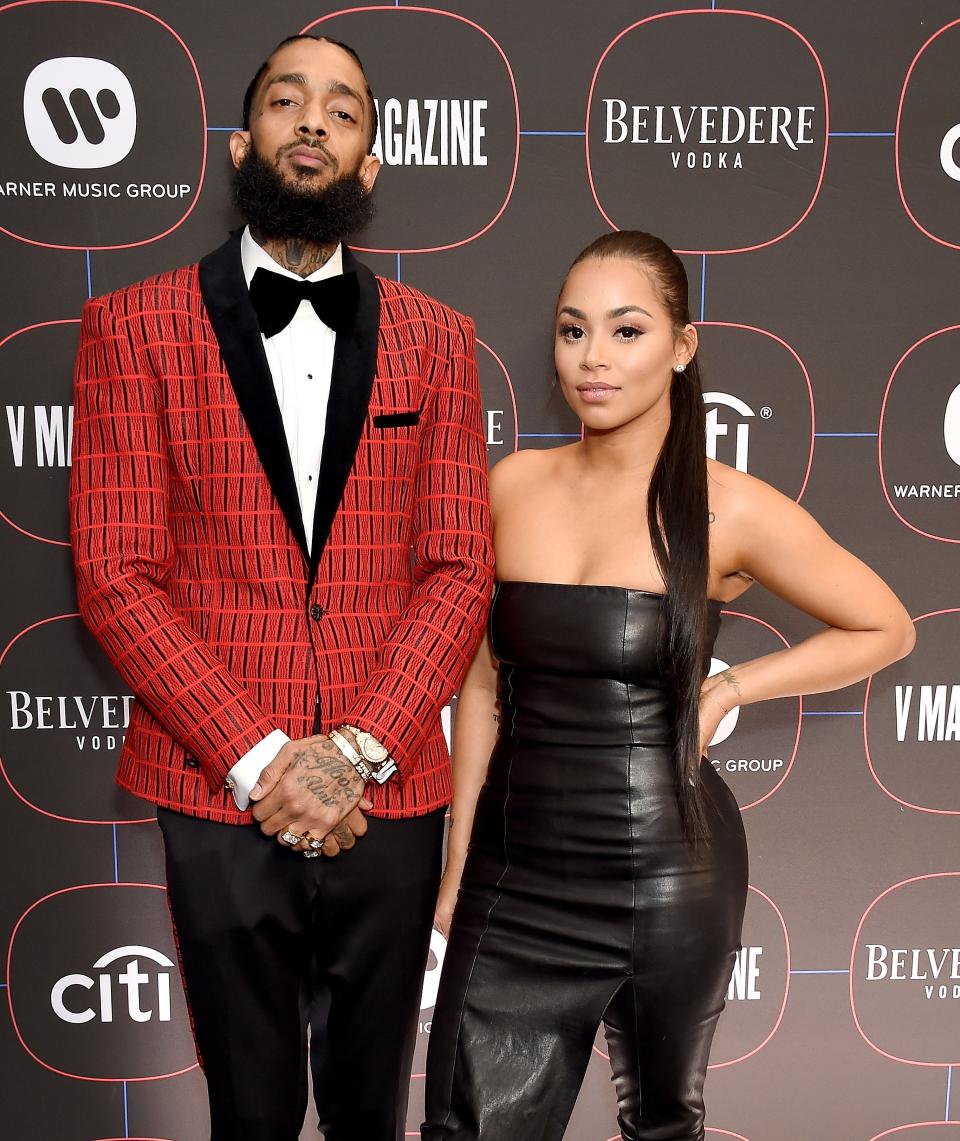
805	159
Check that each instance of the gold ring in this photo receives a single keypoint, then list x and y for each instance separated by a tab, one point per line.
291	838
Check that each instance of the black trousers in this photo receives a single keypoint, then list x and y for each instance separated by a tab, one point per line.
266	936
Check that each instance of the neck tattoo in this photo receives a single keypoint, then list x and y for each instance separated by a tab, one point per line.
296	255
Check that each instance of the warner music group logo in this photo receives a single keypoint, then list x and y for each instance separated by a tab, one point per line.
117	141
919	437
79	112
722	158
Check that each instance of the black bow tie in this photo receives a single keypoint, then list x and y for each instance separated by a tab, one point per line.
276	298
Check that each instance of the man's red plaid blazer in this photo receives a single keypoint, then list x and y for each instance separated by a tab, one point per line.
191	561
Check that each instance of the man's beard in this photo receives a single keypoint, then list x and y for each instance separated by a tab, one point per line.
278	210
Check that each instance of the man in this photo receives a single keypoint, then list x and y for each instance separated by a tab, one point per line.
257	457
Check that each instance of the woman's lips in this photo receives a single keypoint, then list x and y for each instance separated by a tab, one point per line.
596	393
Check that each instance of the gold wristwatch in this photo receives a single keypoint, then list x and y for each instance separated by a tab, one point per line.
374	755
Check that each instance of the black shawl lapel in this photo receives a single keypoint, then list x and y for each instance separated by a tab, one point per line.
354	369
234	321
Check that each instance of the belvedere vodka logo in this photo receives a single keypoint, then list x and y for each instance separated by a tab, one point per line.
64	715
720	158
905	970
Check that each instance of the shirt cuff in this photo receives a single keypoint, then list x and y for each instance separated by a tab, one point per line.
246	772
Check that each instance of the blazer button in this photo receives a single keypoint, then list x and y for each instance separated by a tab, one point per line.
316	612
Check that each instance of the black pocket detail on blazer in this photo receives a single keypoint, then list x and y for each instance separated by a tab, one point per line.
396	419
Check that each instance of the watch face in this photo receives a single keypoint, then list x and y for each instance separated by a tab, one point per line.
372	750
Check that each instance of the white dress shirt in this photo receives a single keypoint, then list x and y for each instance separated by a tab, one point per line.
301	365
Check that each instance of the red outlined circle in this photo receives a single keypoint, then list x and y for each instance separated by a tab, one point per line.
796	740
866	739
786	988
3	515
806	376
13	1017
803	369
3	768
783	1005
883	413
203	115
716	12
513	397
896	149
853	959
914	1125
516	103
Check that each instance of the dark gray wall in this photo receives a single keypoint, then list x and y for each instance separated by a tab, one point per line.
822	240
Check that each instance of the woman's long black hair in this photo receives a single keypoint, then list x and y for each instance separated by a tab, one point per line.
678	519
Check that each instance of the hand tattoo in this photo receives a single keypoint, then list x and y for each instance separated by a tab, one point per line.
326	774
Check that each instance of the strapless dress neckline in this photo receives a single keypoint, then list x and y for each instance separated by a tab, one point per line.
658	594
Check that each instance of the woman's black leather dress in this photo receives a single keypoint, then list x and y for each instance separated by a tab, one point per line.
580	900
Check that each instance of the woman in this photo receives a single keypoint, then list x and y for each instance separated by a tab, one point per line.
607	869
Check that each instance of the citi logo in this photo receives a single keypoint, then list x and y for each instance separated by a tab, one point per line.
931	711
79	112
740	435
81	998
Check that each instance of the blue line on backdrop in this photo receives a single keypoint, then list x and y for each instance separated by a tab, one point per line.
946	1112
398	256
224	128
847	435
839	971
703	285
89	278
549	435
116	859
126	1112
573	134
862	134
833	713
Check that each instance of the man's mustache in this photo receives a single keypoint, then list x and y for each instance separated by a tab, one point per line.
309	144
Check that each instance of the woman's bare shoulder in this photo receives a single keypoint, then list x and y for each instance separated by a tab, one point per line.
514	474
